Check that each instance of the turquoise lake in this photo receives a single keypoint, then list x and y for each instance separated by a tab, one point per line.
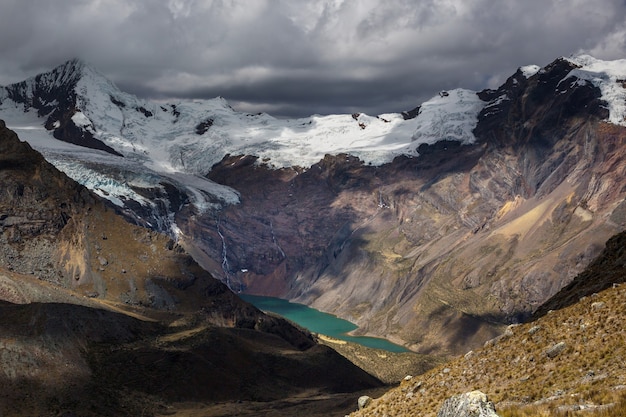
318	322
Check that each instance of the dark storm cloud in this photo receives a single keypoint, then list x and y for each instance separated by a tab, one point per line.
294	58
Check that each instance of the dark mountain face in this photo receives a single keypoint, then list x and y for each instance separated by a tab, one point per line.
440	250
114	319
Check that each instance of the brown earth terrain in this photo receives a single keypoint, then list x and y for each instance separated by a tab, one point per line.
439	253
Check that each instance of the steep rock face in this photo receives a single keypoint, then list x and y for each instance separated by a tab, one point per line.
33	209
292	219
436	251
606	271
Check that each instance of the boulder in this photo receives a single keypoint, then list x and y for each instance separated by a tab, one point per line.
555	350
470	404
364	401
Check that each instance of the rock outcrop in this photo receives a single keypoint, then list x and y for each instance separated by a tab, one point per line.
470	404
364	401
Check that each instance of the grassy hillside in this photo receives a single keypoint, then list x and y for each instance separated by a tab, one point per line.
565	361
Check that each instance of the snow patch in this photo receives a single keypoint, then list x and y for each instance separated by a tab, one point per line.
81	120
610	77
530	70
449	117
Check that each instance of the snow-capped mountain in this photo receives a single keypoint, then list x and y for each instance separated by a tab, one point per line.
192	136
82	122
150	144
471	209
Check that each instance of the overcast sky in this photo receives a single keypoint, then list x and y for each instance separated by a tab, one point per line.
300	57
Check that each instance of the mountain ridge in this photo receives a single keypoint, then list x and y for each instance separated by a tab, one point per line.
512	217
543	165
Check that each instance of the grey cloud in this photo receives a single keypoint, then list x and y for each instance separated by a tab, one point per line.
296	58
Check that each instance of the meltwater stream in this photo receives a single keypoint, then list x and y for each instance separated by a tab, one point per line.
318	322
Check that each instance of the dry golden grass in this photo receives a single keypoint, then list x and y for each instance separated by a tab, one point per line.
614	405
522	379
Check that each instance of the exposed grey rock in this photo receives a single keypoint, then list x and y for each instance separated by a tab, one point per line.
534	329
556	349
364	401
470	404
598	305
584	407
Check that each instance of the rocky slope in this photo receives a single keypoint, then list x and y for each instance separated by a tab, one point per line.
441	250
100	317
568	361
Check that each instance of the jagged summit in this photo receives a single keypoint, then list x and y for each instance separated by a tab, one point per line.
58	97
56	87
64	76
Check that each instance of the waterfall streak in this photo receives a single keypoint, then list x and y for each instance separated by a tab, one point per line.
276	241
225	266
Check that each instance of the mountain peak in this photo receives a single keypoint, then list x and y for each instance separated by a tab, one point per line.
72	69
59	81
75	64
61	93
62	79
67	74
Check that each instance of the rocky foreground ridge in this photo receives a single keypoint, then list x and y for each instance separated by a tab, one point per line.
99	317
566	362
